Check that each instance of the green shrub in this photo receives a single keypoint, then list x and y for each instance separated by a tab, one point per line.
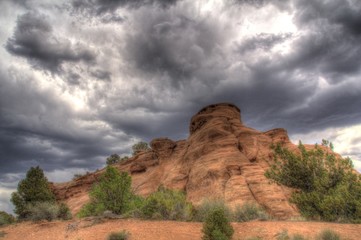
123	235
115	158
47	211
42	211
6	218
112	193
34	188
209	205
167	204
64	212
217	226
91	209
248	212
328	234
139	147
328	187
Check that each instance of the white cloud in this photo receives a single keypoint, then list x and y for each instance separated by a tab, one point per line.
5	194
347	141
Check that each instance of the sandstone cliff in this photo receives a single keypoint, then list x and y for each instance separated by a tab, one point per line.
221	158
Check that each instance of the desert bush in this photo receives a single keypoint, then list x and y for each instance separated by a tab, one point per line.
6	218
112	159
217	226
112	192
167	204
91	209
140	146
115	158
47	211
123	235
248	212
254	238
64	212
42	211
328	189
34	188
328	234
208	205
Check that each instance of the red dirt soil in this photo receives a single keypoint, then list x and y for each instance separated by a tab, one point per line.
165	230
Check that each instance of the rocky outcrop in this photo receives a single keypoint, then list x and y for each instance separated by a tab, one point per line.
222	158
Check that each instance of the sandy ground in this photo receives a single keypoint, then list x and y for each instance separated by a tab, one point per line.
167	230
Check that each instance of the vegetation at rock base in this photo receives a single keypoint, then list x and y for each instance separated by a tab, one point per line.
327	187
47	211
217	226
34	188
208	205
6	218
167	204
248	212
34	199
140	146
112	192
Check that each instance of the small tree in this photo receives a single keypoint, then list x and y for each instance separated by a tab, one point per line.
113	191
34	188
112	159
115	158
140	146
217	226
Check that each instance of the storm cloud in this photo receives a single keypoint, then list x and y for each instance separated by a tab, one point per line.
99	7
34	40
80	80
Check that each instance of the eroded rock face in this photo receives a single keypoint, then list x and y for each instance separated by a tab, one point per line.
222	158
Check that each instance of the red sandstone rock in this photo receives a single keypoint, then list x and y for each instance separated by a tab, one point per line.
222	158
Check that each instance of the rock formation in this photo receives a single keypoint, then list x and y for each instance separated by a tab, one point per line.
222	158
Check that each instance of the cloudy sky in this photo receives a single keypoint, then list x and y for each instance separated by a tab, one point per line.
81	79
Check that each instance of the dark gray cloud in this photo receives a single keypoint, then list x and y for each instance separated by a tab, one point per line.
332	44
101	7
40	129
176	48
288	83
34	39
344	14
281	4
